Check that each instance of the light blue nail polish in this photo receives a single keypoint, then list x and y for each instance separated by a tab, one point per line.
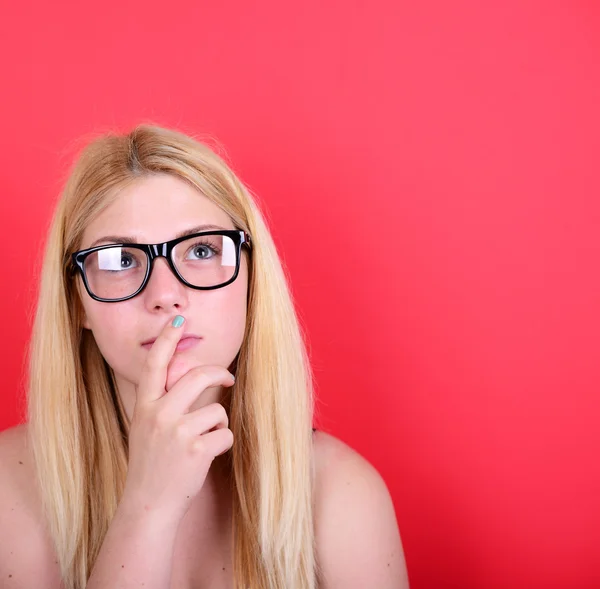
178	321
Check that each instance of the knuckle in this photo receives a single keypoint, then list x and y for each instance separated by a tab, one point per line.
199	372
227	440
157	421
222	414
218	410
181	430
215	414
228	434
199	447
225	437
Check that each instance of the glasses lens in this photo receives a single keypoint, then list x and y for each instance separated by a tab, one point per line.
115	272
206	260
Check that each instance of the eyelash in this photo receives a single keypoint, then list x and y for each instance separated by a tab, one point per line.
207	244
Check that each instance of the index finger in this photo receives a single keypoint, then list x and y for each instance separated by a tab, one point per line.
154	373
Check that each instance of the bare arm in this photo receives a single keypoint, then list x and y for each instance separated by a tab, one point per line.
170	452
137	551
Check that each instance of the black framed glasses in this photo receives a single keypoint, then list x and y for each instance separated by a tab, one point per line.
203	261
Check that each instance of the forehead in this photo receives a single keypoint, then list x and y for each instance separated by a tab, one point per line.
155	209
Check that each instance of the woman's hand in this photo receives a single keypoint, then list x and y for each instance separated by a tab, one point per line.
171	450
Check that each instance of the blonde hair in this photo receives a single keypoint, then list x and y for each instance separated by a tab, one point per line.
77	426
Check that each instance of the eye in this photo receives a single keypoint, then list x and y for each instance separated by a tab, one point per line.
127	261
201	252
115	259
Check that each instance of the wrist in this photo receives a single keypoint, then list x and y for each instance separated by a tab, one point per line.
139	513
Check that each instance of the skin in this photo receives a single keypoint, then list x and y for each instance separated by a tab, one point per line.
152	211
174	400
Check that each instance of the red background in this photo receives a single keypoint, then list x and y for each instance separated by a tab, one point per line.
431	175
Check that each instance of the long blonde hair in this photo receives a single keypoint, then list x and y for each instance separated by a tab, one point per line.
77	426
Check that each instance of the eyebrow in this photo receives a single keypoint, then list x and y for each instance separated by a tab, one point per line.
125	239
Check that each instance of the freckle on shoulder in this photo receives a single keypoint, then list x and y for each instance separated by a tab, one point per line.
16	461
14	446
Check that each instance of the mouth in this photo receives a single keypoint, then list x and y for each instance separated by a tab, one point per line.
189	340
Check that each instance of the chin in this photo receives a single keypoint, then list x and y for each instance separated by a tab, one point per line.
180	364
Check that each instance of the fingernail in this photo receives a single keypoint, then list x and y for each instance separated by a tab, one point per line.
178	321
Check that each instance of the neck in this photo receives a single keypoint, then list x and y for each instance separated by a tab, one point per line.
126	391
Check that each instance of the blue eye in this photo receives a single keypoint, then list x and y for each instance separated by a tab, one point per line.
203	252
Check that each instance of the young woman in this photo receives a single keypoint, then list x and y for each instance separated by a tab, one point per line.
169	440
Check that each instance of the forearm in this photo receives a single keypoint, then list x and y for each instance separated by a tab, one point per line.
137	552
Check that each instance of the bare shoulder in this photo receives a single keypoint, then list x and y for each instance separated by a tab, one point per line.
26	555
357	536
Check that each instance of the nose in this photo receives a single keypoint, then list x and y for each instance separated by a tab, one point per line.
164	290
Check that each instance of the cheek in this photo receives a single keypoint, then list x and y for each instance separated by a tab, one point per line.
227	313
111	326
222	320
219	316
235	312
